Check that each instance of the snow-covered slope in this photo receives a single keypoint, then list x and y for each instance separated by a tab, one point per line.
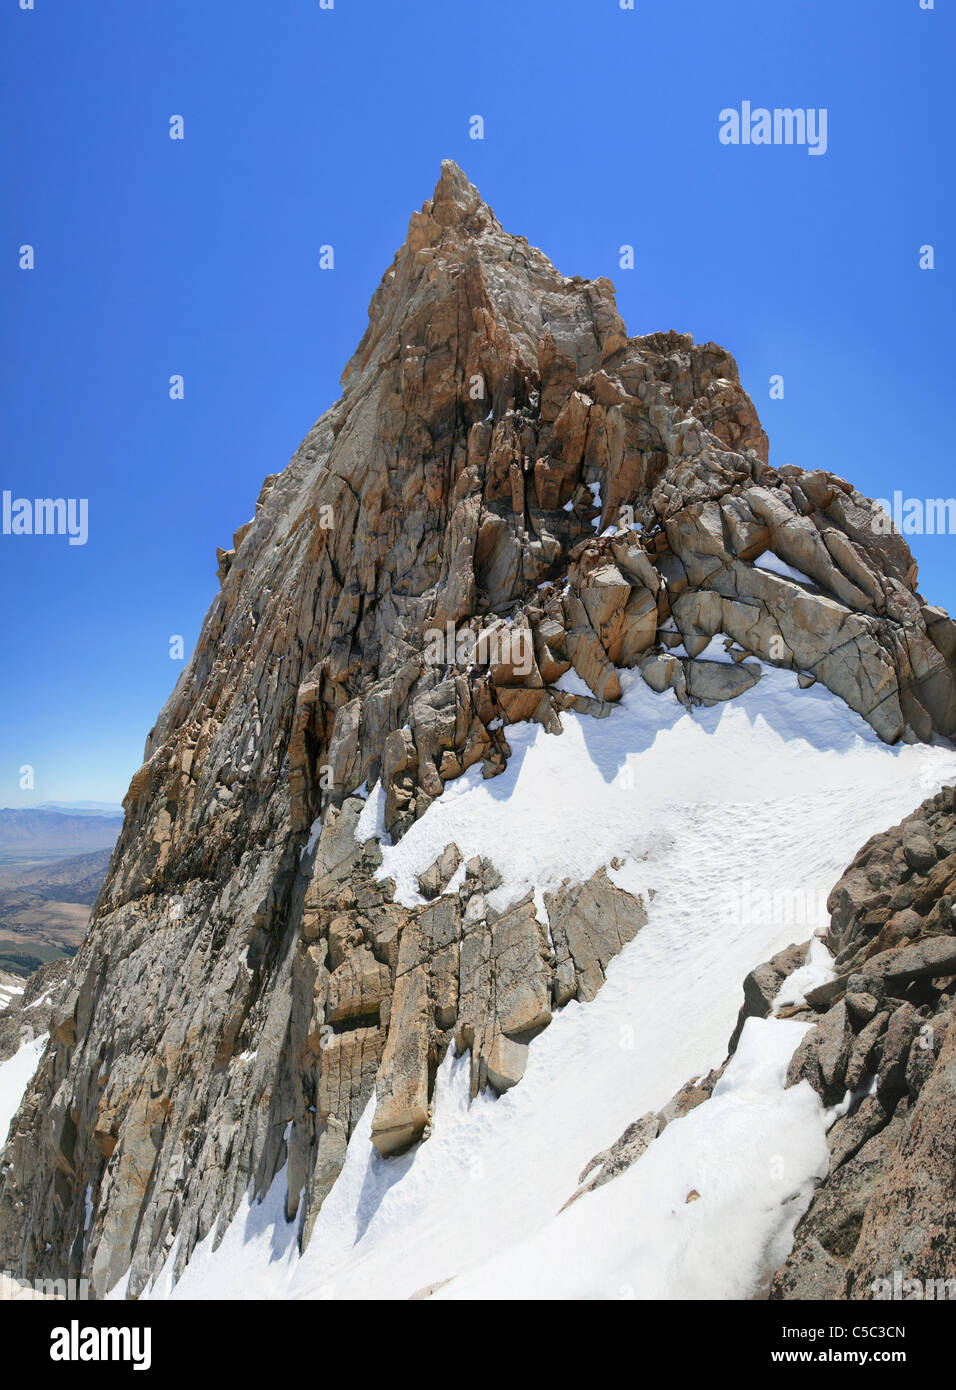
8	991
15	1072
734	822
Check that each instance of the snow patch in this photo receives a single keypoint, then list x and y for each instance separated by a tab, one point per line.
745	1161
774	565
595	491
572	684
371	821
816	970
15	1075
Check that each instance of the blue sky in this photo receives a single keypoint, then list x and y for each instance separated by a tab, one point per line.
306	126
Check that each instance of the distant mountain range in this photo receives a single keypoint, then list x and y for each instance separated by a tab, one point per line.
47	832
75	880
52	863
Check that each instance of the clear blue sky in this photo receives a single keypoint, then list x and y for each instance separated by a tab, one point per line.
305	126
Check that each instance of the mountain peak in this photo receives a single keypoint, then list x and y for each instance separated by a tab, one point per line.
454	197
453	229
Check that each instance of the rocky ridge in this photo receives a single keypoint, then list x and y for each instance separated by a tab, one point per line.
508	489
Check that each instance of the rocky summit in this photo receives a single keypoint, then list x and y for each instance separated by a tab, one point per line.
513	511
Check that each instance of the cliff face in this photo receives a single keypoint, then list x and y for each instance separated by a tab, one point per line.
885	1034
509	488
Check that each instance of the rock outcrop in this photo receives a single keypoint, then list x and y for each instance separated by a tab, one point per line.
884	1044
27	1015
508	489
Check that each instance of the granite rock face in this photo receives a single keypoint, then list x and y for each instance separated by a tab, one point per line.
885	1035
508	489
